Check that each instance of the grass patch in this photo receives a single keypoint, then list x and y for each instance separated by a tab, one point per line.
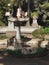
3	36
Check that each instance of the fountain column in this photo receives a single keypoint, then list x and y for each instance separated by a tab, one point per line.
18	36
11	21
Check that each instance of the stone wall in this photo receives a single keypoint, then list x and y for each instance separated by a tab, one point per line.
11	33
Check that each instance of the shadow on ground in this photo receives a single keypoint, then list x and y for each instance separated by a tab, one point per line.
13	60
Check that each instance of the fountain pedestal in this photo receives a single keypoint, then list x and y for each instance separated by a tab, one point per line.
10	25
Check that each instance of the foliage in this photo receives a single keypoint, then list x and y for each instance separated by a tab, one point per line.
46	30
39	6
45	5
3	8
34	14
2	23
3	36
47	21
40	51
19	2
39	33
16	53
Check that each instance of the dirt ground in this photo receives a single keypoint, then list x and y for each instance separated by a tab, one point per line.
12	60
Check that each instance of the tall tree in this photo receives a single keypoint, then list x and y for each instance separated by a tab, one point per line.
3	8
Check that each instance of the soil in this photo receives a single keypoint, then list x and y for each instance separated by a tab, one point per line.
13	60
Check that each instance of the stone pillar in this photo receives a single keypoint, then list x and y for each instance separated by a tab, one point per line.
35	24
10	25
28	22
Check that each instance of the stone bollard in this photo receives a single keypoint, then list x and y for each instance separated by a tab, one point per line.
10	25
35	24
